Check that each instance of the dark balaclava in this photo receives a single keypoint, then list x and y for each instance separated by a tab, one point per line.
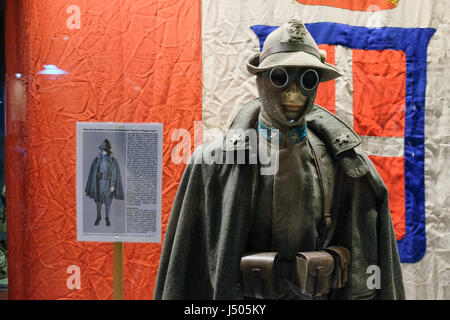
106	145
272	111
291	48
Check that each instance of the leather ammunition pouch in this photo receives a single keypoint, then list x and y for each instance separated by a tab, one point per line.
314	270
261	275
342	259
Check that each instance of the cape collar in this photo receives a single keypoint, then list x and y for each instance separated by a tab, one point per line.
337	135
340	139
108	155
294	135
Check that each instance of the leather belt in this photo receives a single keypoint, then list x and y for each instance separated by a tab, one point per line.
286	268
103	176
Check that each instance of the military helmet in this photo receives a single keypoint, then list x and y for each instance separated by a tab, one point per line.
106	145
291	45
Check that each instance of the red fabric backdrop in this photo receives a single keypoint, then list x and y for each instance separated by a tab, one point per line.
130	61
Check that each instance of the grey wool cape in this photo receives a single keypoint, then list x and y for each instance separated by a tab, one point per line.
213	211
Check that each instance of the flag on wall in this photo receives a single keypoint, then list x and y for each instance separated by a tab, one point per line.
178	62
392	94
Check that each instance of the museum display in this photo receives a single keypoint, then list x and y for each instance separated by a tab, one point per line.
318	226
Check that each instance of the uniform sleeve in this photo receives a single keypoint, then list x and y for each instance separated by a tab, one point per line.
376	270
116	180
114	168
388	258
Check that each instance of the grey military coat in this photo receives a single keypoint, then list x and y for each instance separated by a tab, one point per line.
214	209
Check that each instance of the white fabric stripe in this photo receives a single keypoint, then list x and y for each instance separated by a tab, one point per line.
228	42
377	146
383	146
344	85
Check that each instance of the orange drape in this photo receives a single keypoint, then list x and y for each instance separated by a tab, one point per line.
130	61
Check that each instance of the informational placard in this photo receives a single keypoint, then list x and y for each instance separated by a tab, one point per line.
119	177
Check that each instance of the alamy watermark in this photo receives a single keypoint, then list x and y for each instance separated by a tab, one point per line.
74	20
74	280
374	280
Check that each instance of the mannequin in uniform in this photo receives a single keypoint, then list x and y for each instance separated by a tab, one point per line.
104	181
235	233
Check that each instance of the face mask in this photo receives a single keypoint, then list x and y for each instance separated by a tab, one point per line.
287	94
292	102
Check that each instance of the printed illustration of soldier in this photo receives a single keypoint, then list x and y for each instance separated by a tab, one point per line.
104	181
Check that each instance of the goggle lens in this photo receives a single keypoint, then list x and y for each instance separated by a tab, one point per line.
310	79
280	79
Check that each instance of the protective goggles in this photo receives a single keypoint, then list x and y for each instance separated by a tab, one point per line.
279	79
